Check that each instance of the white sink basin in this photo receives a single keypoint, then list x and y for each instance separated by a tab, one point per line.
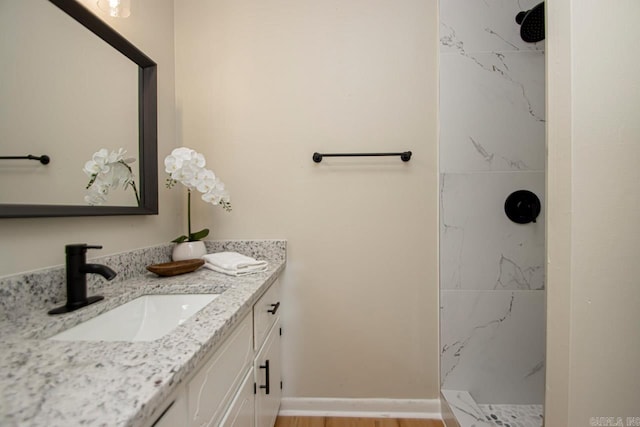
146	318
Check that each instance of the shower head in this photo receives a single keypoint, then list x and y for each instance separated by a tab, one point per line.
532	24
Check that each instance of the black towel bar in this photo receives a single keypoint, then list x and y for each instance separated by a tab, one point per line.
44	159
405	156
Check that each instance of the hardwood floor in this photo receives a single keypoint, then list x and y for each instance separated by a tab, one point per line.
354	422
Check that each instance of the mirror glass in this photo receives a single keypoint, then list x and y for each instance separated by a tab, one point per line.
67	92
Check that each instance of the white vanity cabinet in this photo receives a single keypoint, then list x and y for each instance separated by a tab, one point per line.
266	368
174	413
212	389
241	413
268	379
239	385
266	312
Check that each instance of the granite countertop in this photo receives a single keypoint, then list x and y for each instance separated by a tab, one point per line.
67	383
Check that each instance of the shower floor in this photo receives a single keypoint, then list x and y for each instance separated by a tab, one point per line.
469	414
514	415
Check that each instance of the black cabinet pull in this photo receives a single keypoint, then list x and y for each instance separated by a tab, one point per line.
274	308
266	368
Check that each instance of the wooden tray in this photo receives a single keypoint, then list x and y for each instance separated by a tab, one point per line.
176	267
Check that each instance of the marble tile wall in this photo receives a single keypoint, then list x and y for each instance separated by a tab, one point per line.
492	142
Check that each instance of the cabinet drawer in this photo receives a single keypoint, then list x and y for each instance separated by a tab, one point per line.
265	313
210	391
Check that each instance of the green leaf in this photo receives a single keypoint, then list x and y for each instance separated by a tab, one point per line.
199	235
180	239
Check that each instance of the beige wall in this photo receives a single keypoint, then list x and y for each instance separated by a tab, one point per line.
260	87
28	244
594	207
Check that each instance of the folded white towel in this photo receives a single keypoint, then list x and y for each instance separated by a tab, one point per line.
233	263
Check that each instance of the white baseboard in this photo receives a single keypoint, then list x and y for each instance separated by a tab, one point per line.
369	408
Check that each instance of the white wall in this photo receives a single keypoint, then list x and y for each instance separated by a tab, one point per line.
32	243
260	87
593	231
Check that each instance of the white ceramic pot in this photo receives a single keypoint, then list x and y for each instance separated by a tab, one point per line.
188	250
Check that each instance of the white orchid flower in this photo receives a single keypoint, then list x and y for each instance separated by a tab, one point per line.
187	167
198	160
108	170
206	180
91	168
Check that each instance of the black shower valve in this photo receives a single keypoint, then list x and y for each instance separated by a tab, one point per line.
522	207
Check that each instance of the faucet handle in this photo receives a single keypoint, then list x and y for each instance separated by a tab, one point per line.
80	248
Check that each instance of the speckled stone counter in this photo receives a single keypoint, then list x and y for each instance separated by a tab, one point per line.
69	383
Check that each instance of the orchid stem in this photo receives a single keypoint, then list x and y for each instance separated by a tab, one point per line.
189	215
135	190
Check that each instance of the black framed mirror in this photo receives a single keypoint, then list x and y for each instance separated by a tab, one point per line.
146	132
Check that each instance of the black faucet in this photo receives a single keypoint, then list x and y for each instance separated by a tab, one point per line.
77	269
